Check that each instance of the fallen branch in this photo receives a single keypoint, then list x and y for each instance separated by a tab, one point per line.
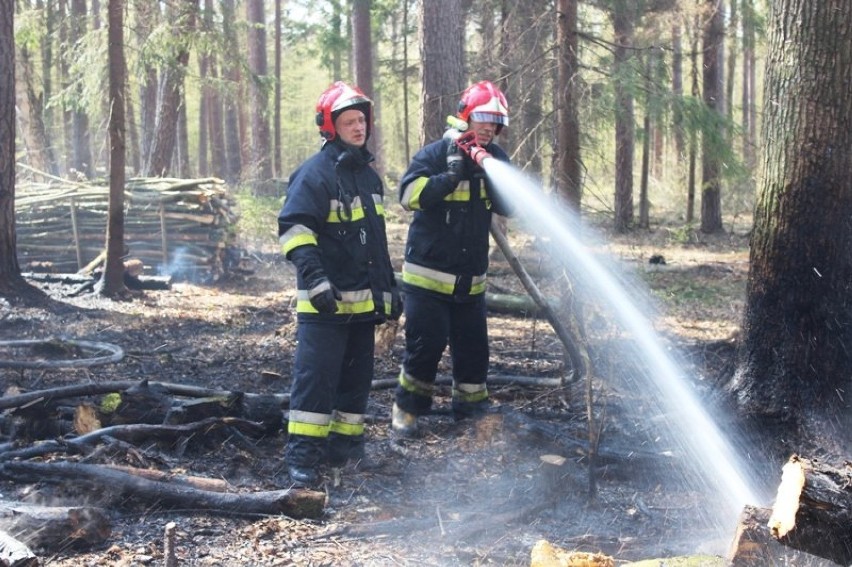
294	503
570	341
78	390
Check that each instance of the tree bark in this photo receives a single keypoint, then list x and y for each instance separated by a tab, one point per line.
10	272
112	280
568	171
713	136
623	28
165	135
147	16
794	361
231	72
261	167
442	69
81	140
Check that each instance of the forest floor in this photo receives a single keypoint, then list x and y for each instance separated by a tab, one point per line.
466	493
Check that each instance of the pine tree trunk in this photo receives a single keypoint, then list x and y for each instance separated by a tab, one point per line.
568	176
112	281
260	168
711	160
442	53
231	74
169	98
79	119
10	272
623	28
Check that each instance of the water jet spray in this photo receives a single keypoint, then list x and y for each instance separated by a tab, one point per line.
718	465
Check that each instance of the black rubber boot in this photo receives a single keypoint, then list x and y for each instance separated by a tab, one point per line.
305	477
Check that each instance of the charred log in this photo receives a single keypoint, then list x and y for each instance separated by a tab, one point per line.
813	509
295	503
754	546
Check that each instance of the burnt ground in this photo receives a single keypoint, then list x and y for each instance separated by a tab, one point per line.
468	493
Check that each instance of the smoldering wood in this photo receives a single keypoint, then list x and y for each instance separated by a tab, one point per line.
813	509
53	528
297	503
754	546
15	553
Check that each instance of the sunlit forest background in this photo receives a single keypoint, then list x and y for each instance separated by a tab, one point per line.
661	89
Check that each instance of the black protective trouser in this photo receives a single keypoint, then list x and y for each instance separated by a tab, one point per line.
431	323
332	375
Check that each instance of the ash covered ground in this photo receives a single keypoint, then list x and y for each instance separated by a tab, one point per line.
466	493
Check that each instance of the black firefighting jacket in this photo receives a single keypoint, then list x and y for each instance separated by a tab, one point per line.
447	248
332	226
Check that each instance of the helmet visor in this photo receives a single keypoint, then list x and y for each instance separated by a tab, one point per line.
492	117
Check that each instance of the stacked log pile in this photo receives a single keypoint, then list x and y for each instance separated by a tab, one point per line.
185	228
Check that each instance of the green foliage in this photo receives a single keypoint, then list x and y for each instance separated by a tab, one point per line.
30	29
682	234
258	223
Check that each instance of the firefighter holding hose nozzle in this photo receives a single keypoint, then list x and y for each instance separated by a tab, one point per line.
446	259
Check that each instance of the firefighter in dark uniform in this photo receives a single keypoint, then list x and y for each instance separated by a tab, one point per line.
332	228
446	259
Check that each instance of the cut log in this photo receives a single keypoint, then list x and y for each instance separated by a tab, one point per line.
813	509
55	527
294	503
754	546
15	553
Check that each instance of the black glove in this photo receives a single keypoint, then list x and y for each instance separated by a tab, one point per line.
455	162
324	297
396	304
320	291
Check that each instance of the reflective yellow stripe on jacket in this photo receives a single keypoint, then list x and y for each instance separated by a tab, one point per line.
411	195
351	302
298	235
435	280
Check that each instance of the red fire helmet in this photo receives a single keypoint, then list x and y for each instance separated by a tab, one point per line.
484	102
334	100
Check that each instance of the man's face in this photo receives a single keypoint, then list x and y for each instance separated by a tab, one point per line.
351	126
485	131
